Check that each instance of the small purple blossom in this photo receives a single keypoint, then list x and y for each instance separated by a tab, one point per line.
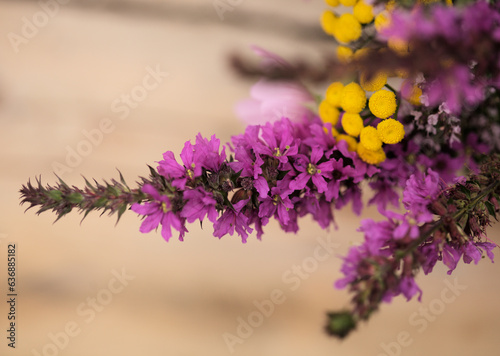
158	212
309	169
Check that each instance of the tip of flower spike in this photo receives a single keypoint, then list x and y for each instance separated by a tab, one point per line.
340	324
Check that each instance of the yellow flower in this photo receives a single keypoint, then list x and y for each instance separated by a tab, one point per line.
369	138
376	82
399	46
352	124
363	12
344	54
346	28
328	113
353	98
382	20
332	3
334	93
369	156
382	103
348	2
327	21
360	53
390	131
352	144
391	4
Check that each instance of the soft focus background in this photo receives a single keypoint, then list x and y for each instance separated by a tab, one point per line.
64	66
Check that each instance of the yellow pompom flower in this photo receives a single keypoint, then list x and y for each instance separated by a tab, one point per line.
399	46
353	98
382	104
390	131
369	156
352	124
328	20
369	138
363	12
360	53
334	93
328	113
348	2
346	28
344	54
352	144
382	20
332	3
376	82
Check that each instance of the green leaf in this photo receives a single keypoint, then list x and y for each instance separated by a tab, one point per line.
464	190
121	210
55	194
74	198
491	209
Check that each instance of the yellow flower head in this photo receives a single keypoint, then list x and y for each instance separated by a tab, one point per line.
347	28
382	104
360	53
348	2
328	20
401	47
333	3
344	54
369	138
352	124
334	93
376	82
353	98
352	144
328	113
382	20
363	12
390	131
369	156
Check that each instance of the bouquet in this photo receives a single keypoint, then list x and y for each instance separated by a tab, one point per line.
410	116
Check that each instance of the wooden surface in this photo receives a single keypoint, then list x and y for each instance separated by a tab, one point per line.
184	296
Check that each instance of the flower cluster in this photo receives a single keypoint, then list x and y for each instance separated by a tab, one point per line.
410	145
453	47
282	170
441	223
349	103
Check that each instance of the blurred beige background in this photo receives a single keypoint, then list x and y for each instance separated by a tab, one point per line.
184	296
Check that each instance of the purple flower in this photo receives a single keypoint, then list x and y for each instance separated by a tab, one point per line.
208	152
159	211
339	174
408	287
170	169
488	247
271	101
199	204
279	140
377	234
233	220
450	256
420	191
310	170
278	203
